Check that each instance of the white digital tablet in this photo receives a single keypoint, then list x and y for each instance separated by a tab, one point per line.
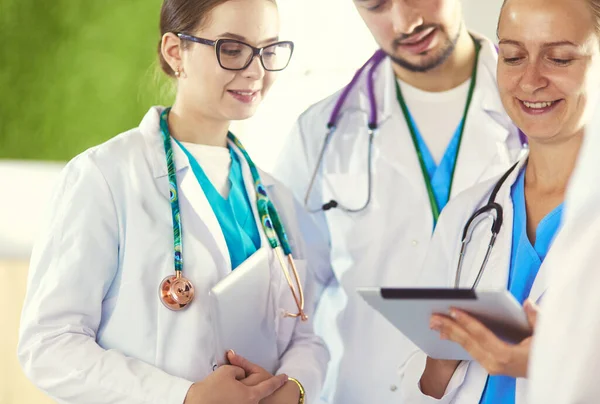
243	314
410	310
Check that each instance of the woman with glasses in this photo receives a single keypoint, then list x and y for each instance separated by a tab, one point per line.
499	234
143	226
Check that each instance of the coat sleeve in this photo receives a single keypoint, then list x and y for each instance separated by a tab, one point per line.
438	271
72	267
566	350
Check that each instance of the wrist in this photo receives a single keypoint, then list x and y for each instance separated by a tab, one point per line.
436	377
189	394
194	393
299	388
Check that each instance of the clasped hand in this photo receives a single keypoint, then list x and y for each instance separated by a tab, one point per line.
243	382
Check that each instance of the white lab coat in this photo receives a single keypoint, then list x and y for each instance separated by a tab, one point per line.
566	347
370	247
93	329
439	270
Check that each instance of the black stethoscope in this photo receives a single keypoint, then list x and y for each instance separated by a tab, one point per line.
492	207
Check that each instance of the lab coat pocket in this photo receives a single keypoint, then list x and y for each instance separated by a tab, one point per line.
285	303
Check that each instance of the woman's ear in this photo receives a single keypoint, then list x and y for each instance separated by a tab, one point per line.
172	52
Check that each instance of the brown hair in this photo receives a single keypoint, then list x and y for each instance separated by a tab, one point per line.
595	6
183	16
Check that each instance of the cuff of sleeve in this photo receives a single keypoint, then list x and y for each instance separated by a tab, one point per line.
411	373
310	381
178	391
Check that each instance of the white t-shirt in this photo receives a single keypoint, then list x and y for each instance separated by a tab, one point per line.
436	115
216	163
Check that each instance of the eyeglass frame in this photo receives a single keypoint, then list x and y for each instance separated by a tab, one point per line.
255	51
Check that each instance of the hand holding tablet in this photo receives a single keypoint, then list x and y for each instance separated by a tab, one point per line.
410	311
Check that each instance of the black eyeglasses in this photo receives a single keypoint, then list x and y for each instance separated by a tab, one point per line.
237	55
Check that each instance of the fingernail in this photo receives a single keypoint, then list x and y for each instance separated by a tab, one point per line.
231	352
454	314
435	324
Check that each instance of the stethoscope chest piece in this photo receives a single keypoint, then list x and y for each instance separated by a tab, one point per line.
176	292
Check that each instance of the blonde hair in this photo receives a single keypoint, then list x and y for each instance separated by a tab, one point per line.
594	7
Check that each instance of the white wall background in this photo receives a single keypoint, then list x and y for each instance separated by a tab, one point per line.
318	70
331	42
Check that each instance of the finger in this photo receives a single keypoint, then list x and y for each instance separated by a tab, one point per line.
240	361
233	371
453	331
531	310
254	379
479	332
450	329
491	352
268	387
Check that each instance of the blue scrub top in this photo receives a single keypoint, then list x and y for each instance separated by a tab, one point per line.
234	213
525	263
439	176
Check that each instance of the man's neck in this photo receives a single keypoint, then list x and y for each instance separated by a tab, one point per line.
457	69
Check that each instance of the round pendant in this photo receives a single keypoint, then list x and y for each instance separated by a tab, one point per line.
176	292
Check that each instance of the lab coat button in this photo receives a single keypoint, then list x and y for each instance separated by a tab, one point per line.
215	366
393	387
415	243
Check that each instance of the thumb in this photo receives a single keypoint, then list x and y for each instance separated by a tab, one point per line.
531	310
269	386
240	361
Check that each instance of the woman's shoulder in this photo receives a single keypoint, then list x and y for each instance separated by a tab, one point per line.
124	153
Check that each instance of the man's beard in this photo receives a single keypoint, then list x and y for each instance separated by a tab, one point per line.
444	53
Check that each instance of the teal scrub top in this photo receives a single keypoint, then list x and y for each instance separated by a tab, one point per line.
233	213
525	263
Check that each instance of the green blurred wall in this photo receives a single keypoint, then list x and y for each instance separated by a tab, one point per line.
74	73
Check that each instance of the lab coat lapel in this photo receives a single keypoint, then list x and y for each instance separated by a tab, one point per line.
485	137
393	144
498	267
495	275
251	191
188	186
540	284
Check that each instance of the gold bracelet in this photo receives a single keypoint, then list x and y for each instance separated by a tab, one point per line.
302	393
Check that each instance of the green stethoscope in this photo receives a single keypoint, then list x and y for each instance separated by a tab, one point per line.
177	292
